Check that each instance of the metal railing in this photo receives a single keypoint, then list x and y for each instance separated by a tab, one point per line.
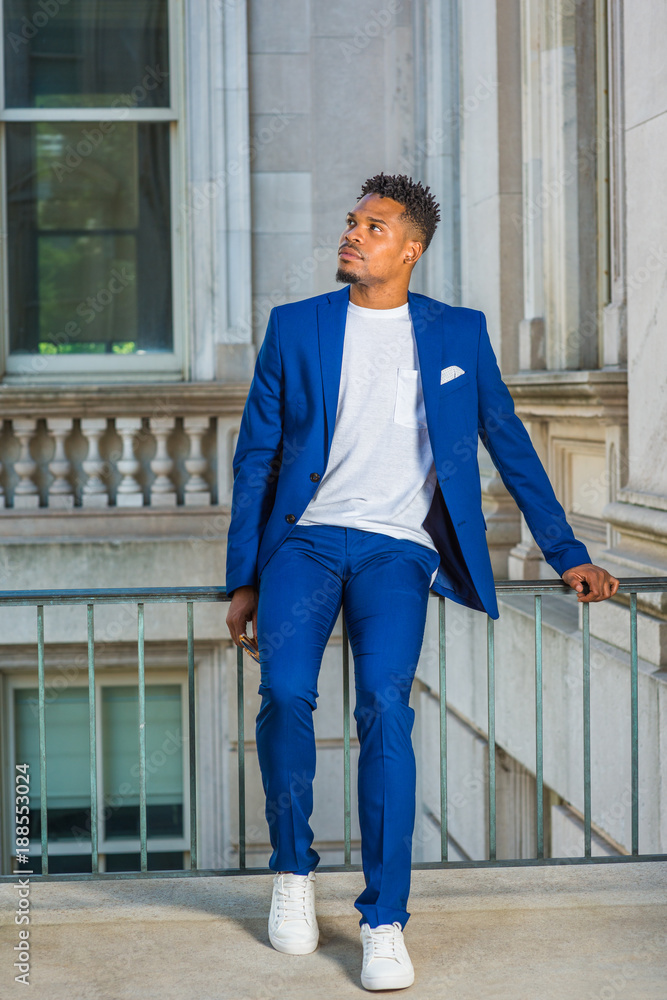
191	595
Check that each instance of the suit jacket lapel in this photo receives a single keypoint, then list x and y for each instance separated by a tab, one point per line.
428	325
331	316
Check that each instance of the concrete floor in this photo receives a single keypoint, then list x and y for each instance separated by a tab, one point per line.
557	933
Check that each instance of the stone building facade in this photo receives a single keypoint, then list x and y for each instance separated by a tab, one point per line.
188	171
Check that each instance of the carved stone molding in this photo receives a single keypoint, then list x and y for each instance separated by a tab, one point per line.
571	395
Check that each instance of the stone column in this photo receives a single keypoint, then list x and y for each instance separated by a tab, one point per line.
638	514
489	120
525	559
218	197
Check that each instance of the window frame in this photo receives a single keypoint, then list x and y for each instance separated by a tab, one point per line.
155	366
109	677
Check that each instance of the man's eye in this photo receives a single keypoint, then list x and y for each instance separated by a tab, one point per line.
348	222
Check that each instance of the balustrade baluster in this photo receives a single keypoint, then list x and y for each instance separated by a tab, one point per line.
26	493
163	491
129	492
61	494
95	491
197	490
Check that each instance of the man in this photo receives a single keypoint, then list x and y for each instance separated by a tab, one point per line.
356	478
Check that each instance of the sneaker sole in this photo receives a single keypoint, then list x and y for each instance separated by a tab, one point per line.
294	947
397	982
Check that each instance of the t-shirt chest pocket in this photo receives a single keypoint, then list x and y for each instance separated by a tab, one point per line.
409	410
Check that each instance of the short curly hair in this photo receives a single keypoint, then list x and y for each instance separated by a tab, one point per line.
421	208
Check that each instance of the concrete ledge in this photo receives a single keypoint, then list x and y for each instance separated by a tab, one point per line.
245	897
563	933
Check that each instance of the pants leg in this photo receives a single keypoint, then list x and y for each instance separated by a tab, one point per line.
300	592
384	583
385	604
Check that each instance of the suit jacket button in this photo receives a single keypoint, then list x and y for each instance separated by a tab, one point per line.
315	476
291	518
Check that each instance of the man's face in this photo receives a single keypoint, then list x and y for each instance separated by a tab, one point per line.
375	243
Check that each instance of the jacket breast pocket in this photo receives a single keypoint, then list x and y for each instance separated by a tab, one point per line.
409	410
454	383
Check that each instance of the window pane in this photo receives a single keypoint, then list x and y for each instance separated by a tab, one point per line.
68	760
164	760
90	237
157	861
83	53
62	863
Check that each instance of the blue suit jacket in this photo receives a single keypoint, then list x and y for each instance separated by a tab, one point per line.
288	423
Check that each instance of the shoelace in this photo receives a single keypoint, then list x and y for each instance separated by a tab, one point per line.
383	939
292	897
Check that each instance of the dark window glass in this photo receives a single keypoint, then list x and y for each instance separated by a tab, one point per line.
161	821
164	760
83	53
89	228
61	864
157	861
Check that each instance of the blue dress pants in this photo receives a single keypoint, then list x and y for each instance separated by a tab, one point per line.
384	584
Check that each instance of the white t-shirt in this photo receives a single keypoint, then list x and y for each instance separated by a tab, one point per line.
380	475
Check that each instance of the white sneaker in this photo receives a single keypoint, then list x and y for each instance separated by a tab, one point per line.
386	963
292	922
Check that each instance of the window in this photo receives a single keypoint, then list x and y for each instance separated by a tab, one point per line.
68	774
91	140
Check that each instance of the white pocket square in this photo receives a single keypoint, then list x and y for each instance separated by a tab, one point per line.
449	373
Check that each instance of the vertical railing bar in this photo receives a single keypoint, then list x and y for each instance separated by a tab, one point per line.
634	711
42	740
192	736
492	736
442	674
539	746
143	834
240	716
347	801
92	743
587	728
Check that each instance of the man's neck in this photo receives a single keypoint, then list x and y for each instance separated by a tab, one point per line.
380	298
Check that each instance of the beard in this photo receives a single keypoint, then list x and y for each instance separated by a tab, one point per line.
347	277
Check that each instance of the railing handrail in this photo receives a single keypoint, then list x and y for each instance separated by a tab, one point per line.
149	595
113	595
191	595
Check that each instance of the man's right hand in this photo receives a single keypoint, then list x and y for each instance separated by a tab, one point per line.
242	609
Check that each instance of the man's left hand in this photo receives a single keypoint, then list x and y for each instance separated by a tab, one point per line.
601	583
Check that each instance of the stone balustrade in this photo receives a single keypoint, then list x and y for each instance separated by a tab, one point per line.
145	446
